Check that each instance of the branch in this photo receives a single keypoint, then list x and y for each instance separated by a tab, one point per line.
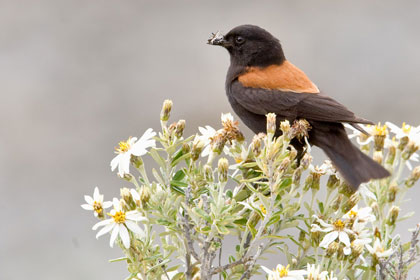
219	269
190	242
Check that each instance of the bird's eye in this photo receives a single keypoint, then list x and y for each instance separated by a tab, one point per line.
239	40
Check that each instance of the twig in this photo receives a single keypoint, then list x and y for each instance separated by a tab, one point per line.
253	260
190	243
230	265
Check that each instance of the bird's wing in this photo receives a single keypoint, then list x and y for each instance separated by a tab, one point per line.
292	105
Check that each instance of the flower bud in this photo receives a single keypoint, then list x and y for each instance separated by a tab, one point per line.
218	143
332	248
293	153
403	142
257	143
333	181
414	177
127	198
350	203
222	168
377	233
197	148
136	161
271	123
284	164
375	209
409	150
356	250
379	135
166	110
208	173
186	148
180	125
392	192
393	215
302	236
306	161
128	177
285	127
378	156
346	189
296	175
337	202
145	195
392	150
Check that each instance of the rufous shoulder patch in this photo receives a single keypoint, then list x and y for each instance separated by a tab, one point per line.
284	77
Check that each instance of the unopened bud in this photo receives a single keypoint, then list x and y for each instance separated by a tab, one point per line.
378	156
284	164
356	250
302	236
403	142
312	181
414	177
393	215
271	123
145	195
306	161
166	110
379	141
409	150
392	192
351	202
218	142
285	127
375	209
136	161
257	143
222	168
346	189
208	173
180	125
186	148
126	196
392	150
332	248
197	148
172	128
333	181
293	153
296	175
337	202
377	234
128	177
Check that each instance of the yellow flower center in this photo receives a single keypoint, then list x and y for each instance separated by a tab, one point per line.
238	160
380	130
119	217
123	146
353	214
97	206
284	271
406	128
263	210
339	225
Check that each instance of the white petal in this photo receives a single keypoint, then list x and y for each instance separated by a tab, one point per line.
115	162
344	238
330	237
96	195
87	206
135	216
135	194
134	227
409	166
101	223
89	199
347	251
125	237
124	166
104	230
106	204
114	235
268	271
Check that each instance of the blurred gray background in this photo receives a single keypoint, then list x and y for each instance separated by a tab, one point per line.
78	76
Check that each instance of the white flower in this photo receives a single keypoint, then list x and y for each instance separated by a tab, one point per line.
120	223
207	133
378	250
337	229
132	147
366	193
406	130
96	203
227	119
372	130
283	273
362	215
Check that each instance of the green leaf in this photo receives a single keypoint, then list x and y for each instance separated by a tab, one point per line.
158	177
321	207
118	259
179	175
156	156
242	221
222	229
176	161
201	213
274	219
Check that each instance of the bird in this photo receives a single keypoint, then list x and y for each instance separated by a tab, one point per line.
260	80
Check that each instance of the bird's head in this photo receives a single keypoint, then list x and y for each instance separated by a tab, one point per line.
250	45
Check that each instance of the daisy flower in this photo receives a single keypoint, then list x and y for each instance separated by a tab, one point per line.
313	273
372	130
362	215
334	231
96	203
406	130
283	273
378	250
132	147
207	134
119	224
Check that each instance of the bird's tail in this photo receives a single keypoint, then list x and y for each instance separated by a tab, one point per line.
353	165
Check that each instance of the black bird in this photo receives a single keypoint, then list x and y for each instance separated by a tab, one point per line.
260	80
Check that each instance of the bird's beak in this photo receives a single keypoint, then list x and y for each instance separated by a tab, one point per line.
217	39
